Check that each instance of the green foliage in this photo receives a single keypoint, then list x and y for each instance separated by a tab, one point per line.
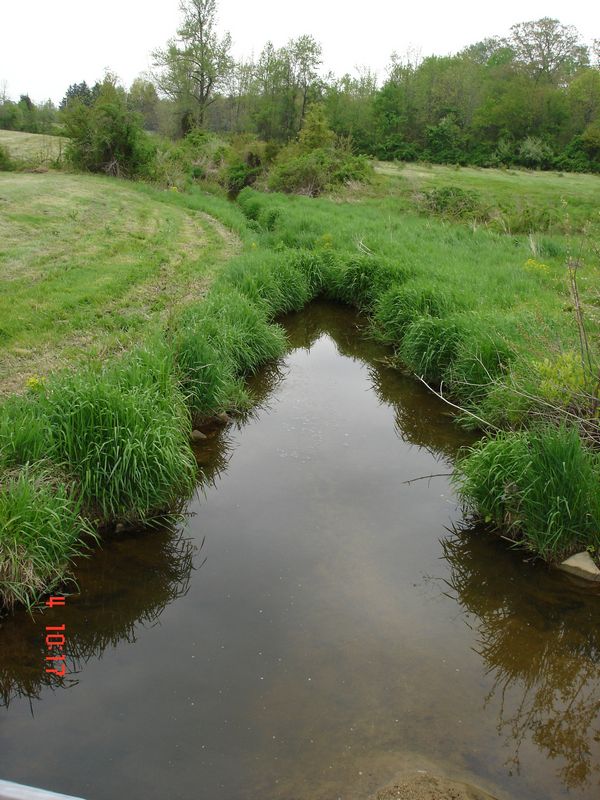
539	485
362	279
107	136
430	346
207	376
6	163
23	430
237	329
120	431
40	531
316	133
452	201
401	305
269	280
315	172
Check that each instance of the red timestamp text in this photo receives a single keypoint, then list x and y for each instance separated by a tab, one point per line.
55	642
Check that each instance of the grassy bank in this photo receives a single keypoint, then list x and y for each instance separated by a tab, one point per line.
463	306
107	262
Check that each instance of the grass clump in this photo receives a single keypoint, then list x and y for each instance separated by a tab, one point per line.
430	346
41	529
237	328
122	433
269	280
362	279
540	485
401	305
23	431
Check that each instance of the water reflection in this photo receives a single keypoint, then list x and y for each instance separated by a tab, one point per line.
420	419
539	638
128	584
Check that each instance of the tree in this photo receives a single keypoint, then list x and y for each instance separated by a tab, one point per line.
143	99
548	50
107	136
195	64
81	92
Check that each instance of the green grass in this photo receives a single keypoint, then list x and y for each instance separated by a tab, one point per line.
567	201
107	261
538	486
40	530
33	149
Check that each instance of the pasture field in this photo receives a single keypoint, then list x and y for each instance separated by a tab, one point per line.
32	148
89	264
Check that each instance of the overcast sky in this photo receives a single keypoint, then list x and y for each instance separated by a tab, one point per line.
45	45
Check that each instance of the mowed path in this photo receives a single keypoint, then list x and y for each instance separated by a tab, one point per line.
88	264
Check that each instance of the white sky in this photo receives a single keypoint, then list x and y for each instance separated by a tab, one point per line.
45	45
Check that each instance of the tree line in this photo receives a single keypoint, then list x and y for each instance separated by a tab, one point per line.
531	98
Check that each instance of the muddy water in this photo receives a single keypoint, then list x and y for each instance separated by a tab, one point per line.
316	627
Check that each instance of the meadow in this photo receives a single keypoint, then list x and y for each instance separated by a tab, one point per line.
484	315
33	149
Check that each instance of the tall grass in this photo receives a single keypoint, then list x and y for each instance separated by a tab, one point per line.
541	486
41	529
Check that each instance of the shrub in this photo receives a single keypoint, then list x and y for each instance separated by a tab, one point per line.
452	201
6	163
314	172
541	486
106	136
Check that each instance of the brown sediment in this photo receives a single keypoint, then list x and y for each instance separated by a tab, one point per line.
425	786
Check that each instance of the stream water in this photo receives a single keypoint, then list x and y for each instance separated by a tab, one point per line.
317	625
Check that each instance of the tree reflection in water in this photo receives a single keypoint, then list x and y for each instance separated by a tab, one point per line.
539	638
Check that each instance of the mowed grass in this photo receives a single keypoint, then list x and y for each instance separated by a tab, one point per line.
87	264
569	201
32	148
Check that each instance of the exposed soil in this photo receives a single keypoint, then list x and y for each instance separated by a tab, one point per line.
424	786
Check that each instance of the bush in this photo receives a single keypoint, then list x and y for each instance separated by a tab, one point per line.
452	201
313	173
6	163
539	485
108	137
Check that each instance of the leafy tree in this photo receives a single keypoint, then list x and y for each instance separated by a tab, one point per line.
107	136
143	99
316	132
195	65
548	50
